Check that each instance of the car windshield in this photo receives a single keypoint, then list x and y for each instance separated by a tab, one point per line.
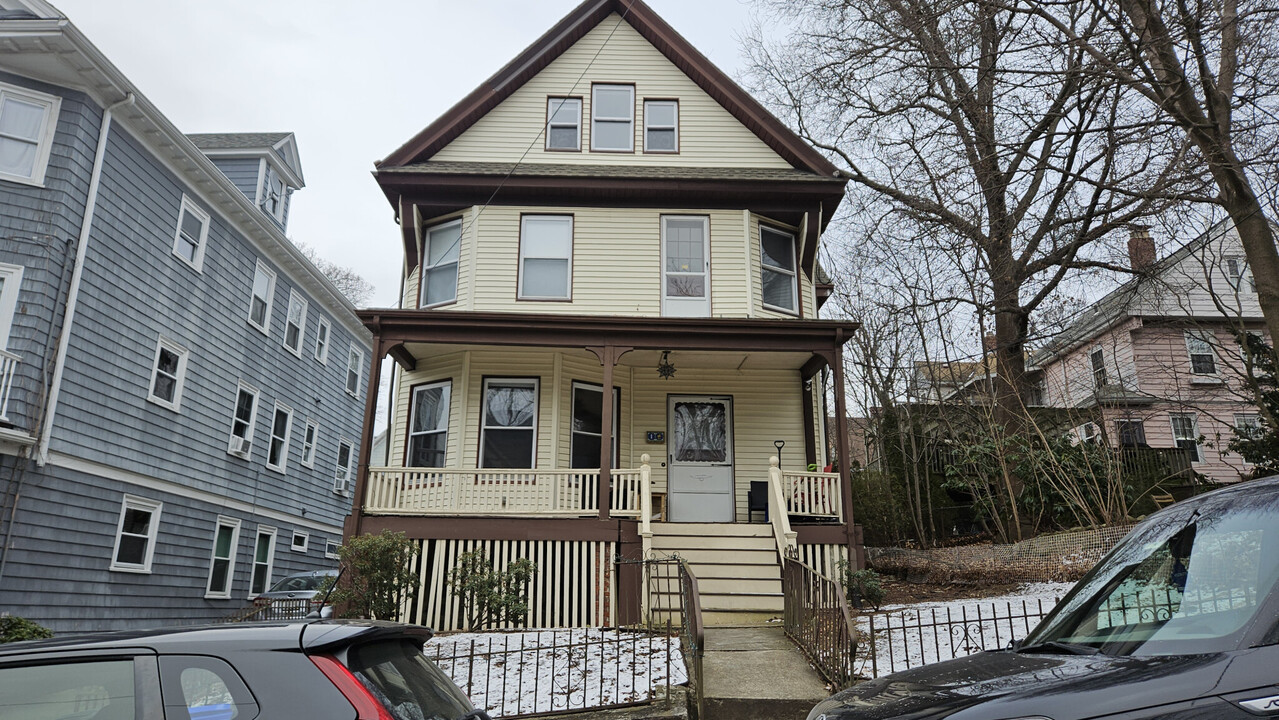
408	685
298	583
1186	581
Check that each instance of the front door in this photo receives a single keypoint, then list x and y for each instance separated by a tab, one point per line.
686	266
699	472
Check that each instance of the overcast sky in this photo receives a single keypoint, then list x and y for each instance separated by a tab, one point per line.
353	80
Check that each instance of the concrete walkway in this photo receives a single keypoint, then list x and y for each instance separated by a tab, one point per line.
756	673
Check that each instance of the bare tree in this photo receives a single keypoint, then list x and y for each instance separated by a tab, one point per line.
347	281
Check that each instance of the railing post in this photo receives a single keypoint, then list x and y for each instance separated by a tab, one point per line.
778	512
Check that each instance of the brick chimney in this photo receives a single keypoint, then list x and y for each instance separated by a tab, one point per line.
1141	248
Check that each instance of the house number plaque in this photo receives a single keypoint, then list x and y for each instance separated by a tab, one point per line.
655	437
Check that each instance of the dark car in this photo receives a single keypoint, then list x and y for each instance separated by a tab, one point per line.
1179	621
320	670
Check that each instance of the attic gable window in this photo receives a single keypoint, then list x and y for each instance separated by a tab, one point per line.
27	124
1237	273
661	126
564	123
439	269
613	118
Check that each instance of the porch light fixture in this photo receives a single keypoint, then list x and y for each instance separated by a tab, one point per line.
665	369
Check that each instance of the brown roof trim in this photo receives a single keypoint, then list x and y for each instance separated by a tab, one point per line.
568	31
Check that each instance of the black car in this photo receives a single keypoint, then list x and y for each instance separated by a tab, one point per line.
320	670
1179	621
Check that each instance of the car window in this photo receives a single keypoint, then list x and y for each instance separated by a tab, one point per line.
408	685
203	688
70	691
293	584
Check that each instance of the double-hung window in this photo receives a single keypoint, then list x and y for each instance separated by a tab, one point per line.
613	118
260	300
440	251
1098	359
309	440
661	126
342	470
322	331
1203	361
135	535
1185	434
546	257
27	123
429	426
1237	274
242	419
508	431
226	537
295	326
354	364
277	452
192	234
168	374
1248	425
263	561
779	280
563	123
588	425
273	192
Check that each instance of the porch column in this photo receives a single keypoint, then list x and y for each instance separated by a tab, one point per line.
841	443
608	355
810	420
366	440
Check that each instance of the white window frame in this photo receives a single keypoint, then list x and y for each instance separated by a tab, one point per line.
296	300
234	443
766	268
484	427
568	289
269	173
652	126
1205	337
447	385
323	339
357	355
342	474
293	541
179	380
188	207
629	119
1236	277
282	440
133	502
1250	419
312	432
261	267
44	144
1194	426
234	524
331	548
12	275
424	268
551	103
270	558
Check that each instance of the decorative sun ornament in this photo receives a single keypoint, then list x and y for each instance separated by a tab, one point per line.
665	369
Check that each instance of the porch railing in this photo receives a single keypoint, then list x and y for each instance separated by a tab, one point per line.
444	491
813	494
779	512
8	366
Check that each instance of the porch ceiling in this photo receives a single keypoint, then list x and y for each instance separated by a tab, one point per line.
702	359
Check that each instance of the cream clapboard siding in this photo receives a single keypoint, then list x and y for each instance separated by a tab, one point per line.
708	135
616	263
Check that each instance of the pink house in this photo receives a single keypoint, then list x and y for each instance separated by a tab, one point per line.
1155	363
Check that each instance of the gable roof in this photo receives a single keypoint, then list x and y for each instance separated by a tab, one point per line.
568	31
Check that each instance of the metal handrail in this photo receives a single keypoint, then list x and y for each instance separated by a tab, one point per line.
818	619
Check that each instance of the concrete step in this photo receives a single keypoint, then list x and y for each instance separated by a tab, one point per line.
713	529
755	673
712	542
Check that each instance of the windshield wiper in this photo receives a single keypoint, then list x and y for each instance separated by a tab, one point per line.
1061	648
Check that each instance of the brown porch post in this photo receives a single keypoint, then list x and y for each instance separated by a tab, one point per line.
841	444
810	420
366	441
608	355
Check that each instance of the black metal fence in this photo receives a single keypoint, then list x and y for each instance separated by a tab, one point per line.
671	596
818	619
269	610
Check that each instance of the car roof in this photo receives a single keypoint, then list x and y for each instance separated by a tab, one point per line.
315	635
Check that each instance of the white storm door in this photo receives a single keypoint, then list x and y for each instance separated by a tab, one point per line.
699	472
686	266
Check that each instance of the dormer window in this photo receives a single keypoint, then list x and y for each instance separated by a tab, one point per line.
564	123
613	118
273	191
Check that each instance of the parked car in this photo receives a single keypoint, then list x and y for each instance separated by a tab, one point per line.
296	596
1179	621
321	670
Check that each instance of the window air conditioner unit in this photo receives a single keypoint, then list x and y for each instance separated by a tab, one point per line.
241	445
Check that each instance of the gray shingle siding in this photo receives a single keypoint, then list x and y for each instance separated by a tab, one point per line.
244	172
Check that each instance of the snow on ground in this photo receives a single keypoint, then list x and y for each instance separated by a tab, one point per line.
911	635
553	670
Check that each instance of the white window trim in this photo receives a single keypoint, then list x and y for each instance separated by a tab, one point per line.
1194	427
179	381
550	113
332	554
293	541
288	432
650	126
346	475
253	419
322	351
295	297
266	169
234	523
359	371
44	146
188	206
153	528
706	261
537	398
12	275
308	458
1206	338
617	418
629	119
423	267
408	450
265	327
765	268
568	290
270	558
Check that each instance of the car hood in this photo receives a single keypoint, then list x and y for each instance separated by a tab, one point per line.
1005	684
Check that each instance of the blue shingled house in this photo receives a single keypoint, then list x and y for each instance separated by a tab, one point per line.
181	392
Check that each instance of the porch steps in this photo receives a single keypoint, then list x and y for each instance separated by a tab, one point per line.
739	577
